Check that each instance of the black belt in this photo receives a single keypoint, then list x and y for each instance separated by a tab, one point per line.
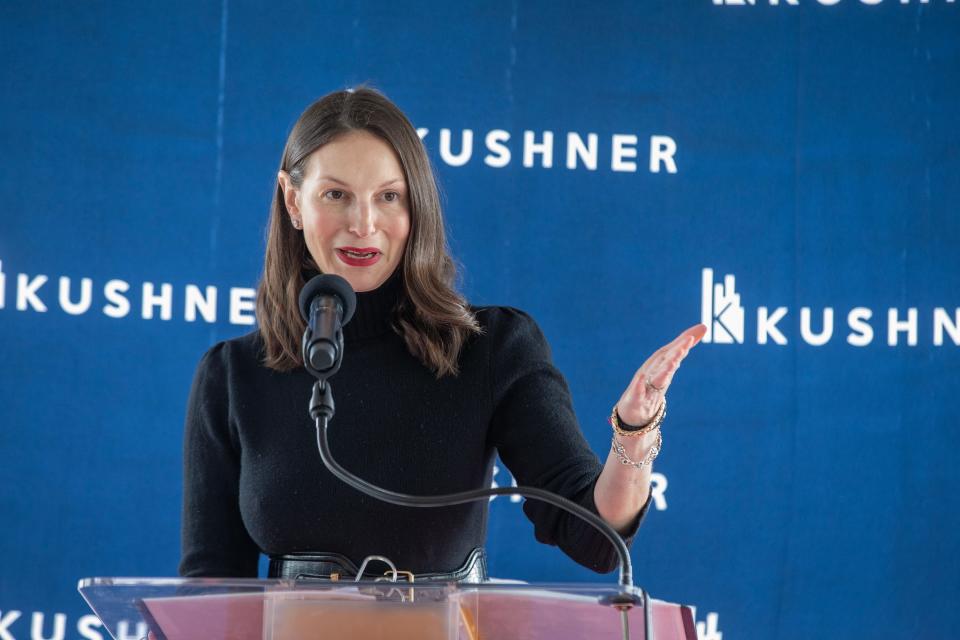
333	566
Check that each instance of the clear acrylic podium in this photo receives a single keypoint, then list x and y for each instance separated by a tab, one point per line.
249	609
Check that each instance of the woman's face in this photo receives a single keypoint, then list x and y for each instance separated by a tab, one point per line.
353	207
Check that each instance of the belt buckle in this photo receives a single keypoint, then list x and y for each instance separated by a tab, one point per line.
390	575
396	573
393	574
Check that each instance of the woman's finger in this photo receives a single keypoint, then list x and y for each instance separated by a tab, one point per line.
661	374
649	377
686	339
697	332
657	372
662	379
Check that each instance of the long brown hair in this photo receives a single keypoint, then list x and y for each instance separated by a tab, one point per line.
432	317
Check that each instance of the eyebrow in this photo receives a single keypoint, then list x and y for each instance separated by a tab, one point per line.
338	181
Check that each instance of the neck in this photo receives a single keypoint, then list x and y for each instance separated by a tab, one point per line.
374	310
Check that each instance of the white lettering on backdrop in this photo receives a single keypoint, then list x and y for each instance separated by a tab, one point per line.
537	149
725	319
115	299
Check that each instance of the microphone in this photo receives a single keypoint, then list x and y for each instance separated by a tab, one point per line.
327	303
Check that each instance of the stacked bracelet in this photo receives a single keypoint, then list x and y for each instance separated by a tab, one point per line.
647	459
621	429
628	431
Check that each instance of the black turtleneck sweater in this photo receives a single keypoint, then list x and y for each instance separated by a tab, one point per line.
254	482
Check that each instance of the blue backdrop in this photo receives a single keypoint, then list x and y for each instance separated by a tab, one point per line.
786	171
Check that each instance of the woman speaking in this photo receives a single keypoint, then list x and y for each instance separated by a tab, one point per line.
431	388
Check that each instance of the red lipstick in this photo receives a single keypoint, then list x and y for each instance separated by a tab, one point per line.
359	257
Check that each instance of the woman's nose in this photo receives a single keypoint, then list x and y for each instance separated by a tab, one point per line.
362	220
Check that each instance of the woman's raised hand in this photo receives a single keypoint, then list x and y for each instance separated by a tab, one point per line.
639	403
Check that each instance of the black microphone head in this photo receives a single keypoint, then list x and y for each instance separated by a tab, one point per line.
330	284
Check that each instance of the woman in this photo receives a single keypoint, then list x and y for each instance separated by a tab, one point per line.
430	388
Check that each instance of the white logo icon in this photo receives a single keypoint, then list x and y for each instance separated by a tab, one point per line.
721	310
709	629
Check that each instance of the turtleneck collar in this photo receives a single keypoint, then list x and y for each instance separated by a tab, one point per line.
374	310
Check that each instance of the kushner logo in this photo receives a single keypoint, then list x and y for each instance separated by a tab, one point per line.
725	318
624	152
117	298
721	310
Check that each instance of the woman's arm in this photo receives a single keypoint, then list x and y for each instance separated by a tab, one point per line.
214	540
622	489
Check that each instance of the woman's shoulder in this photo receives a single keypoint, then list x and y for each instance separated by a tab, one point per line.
502	318
221	367
240	352
509	327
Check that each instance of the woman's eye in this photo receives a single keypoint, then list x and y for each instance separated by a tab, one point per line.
391	196
333	194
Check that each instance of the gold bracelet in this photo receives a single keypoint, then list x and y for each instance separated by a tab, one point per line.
647	459
654	423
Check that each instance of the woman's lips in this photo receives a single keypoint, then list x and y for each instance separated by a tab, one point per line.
359	257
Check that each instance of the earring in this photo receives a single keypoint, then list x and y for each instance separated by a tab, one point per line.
295	222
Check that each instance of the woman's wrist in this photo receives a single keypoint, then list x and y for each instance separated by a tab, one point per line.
639	446
635	460
626	430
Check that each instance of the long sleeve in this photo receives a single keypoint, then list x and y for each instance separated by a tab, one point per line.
214	540
536	433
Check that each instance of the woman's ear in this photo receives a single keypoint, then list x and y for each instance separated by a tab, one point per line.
291	194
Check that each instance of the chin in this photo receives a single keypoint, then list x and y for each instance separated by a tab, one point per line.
365	282
360	278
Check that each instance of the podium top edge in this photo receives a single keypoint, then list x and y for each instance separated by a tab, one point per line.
260	583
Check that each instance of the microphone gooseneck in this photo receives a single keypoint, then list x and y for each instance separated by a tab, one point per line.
462	497
327	302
